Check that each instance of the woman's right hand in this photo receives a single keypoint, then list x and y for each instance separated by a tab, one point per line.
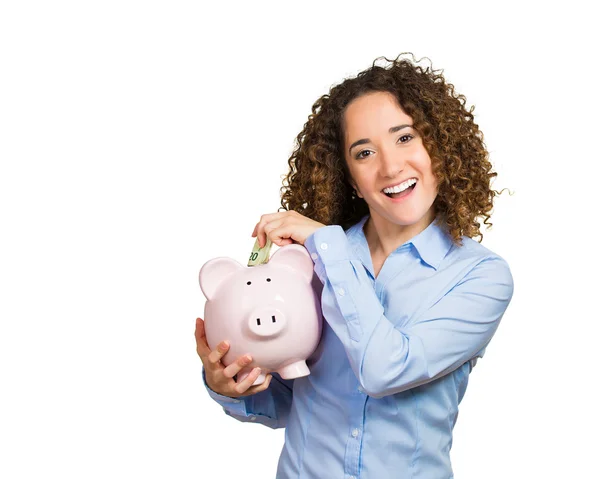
220	378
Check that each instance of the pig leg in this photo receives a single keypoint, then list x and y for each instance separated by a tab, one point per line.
294	370
244	373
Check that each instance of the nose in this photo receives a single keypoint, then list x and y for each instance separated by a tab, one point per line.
391	163
266	322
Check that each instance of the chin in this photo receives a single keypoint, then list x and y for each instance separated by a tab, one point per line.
407	221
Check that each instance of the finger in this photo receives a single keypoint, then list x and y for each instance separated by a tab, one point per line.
201	344
243	386
237	366
272	229
282	241
261	387
264	220
216	354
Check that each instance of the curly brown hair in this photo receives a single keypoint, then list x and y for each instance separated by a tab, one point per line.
317	184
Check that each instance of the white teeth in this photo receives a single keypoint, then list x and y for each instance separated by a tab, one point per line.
401	187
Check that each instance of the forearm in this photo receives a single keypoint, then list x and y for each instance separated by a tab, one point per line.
270	407
386	358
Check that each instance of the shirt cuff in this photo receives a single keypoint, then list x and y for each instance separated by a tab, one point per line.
232	405
328	245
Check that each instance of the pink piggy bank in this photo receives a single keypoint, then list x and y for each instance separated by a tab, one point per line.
270	311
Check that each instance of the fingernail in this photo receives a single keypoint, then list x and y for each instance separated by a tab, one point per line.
257	370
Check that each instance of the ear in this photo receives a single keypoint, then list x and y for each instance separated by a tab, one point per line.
353	184
215	272
296	257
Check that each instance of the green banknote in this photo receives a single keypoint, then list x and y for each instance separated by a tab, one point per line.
260	255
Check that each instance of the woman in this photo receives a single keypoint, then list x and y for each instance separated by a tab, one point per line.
386	187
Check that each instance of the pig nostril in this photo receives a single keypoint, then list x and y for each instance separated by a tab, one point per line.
266	322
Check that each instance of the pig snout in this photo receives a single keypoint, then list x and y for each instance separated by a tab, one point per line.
266	322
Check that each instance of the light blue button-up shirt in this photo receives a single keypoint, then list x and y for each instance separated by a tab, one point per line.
394	358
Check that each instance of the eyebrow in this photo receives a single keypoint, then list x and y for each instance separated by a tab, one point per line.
393	129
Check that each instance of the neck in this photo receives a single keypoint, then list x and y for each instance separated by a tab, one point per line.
384	237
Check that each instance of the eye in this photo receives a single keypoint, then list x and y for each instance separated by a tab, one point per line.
269	279
360	156
249	282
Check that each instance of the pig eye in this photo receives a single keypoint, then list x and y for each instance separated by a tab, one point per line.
249	282
268	279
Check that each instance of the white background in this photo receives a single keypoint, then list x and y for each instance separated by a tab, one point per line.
138	140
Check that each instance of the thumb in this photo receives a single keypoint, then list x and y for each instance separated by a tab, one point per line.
199	329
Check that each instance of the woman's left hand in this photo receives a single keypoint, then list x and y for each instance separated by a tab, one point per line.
285	227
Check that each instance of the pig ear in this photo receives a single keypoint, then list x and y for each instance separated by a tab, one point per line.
215	272
296	257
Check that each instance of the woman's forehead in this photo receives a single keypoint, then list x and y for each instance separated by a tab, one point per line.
373	113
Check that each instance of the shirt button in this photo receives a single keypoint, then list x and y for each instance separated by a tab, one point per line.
341	292
355	433
324	246
253	418
314	256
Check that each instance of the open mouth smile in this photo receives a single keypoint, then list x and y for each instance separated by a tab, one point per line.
400	190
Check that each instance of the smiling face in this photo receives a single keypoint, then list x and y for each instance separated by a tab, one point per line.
382	150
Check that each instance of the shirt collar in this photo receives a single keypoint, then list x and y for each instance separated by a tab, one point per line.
355	232
432	244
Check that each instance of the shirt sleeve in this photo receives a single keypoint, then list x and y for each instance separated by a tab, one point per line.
270	407
387	359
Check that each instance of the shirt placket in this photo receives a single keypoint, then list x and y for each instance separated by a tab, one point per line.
355	435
